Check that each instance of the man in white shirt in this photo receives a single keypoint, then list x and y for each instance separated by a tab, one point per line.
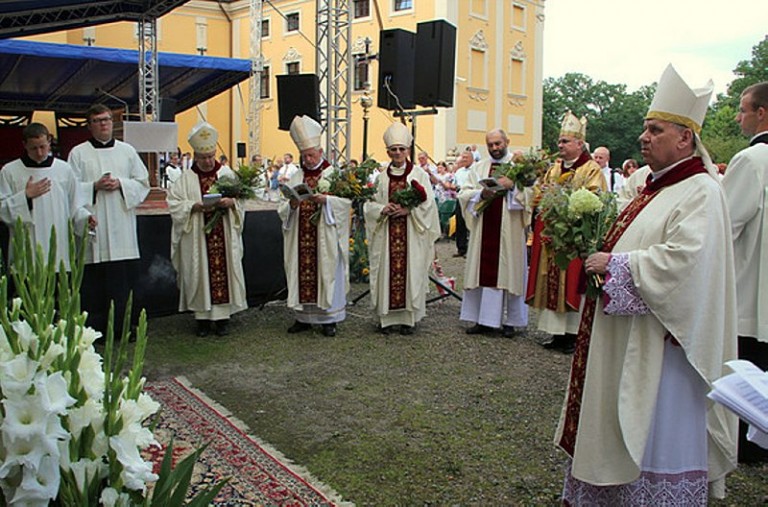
613	178
461	178
113	181
42	190
746	190
288	170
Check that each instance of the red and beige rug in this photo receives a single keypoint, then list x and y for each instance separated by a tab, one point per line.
259	475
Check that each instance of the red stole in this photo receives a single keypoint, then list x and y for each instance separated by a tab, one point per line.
215	243
491	239
398	244
308	239
579	365
572	273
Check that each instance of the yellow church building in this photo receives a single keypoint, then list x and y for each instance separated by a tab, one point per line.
497	82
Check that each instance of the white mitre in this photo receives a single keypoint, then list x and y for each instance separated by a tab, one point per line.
203	138
676	102
573	126
305	132
398	135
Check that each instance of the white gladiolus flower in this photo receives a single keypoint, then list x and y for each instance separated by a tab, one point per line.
53	392
109	497
89	336
21	452
87	470
39	487
25	418
16	375
27	337
55	350
136	472
91	374
147	406
91	413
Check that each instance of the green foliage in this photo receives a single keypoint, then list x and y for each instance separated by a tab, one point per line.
615	116
359	267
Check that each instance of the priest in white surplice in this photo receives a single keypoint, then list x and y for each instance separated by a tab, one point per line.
637	422
401	246
315	250
42	190
114	181
209	266
746	188
496	268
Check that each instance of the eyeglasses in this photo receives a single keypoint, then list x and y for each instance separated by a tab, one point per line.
102	121
397	148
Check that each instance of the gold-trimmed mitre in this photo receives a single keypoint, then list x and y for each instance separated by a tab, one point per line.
305	132
203	138
678	103
573	126
398	134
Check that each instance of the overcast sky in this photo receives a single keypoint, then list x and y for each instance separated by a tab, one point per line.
631	42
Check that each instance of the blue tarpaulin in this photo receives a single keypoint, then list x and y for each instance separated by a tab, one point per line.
68	78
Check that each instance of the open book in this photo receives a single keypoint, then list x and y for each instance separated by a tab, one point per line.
492	185
745	392
211	199
300	192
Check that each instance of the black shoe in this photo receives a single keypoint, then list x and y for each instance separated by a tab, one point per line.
329	329
298	327
406	330
568	348
557	343
479	329
386	330
460	254
222	327
509	332
203	328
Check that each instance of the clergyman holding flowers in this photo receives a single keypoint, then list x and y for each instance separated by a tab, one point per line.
401	237
496	268
551	289
315	238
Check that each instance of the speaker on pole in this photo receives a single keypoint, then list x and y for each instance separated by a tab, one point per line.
396	69
297	95
436	60
167	109
240	150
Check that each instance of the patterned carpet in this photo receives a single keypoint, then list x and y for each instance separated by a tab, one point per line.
259	475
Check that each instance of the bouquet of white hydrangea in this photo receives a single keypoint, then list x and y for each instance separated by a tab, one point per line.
575	222
71	425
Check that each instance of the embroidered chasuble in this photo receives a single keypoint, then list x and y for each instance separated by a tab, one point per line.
398	246
308	240
489	252
215	244
680	262
549	287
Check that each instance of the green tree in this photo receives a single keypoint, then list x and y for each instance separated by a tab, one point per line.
614	116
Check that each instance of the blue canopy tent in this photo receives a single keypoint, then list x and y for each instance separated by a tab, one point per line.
27	17
68	78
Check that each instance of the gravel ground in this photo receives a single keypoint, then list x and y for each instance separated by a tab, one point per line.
437	418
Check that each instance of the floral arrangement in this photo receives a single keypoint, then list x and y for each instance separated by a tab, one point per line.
408	197
72	425
350	182
575	223
247	179
359	268
523	170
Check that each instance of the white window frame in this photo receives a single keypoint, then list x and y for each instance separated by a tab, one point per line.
285	25
478	43
395	12
268	21
524	26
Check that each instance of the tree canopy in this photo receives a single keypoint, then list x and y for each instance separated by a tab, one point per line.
615	117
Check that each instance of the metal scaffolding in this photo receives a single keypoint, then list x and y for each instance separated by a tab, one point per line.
257	66
149	99
334	70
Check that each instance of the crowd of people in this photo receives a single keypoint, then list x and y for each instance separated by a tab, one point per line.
636	422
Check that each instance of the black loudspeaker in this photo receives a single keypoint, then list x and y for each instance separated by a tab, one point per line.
396	69
436	61
240	150
167	109
297	95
